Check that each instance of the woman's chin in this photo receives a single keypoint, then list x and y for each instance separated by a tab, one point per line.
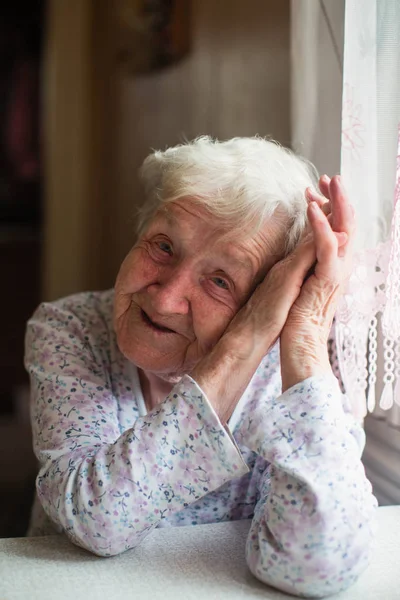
149	359
164	357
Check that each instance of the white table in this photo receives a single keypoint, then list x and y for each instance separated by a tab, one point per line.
192	563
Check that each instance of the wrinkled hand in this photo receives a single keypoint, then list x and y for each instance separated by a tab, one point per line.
283	303
316	304
305	334
287	304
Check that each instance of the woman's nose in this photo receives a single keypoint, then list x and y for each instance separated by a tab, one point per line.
170	294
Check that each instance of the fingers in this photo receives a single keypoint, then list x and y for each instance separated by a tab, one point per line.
323	203
341	237
302	259
322	199
335	204
324	182
286	277
331	233
327	243
268	307
342	211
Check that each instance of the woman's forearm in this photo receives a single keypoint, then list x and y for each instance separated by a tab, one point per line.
312	528
226	371
107	496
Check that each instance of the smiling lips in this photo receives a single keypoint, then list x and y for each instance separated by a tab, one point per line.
154	325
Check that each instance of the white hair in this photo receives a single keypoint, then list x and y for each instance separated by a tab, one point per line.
242	182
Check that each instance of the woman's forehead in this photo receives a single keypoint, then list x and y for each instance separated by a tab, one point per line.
183	212
252	249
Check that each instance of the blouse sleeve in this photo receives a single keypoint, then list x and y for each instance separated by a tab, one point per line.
313	524
107	488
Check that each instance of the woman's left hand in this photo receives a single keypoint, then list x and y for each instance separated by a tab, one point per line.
305	334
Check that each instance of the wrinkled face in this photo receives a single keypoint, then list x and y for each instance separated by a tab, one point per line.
182	283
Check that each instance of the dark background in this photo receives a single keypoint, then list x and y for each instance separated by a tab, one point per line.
21	40
83	99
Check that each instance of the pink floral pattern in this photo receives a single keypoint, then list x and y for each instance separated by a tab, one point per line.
353	127
109	474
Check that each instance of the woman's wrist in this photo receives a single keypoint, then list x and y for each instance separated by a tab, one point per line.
226	371
301	360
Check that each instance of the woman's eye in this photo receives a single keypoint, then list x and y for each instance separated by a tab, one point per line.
221	283
165	247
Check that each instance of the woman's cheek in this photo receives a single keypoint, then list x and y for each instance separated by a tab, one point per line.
126	270
137	271
210	319
147	275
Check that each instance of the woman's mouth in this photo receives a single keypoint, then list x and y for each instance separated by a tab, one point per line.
155	326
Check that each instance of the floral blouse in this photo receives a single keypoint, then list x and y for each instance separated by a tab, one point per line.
110	472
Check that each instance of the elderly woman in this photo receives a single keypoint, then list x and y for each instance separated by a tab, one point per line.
200	389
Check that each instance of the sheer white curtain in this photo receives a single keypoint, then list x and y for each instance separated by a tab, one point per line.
371	112
369	319
345	116
316	80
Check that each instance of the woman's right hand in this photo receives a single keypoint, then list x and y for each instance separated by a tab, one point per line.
258	324
226	371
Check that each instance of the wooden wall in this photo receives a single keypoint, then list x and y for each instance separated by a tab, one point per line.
235	82
77	101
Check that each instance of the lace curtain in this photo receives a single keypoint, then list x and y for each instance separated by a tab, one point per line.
368	319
